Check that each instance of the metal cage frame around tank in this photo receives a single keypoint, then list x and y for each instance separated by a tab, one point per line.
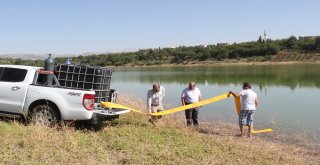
86	78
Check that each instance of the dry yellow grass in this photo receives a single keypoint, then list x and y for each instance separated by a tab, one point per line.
133	140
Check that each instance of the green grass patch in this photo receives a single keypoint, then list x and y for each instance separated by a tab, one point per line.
130	140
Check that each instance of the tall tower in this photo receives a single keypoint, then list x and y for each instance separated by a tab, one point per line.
265	36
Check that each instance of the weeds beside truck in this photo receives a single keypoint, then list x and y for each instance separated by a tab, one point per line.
70	92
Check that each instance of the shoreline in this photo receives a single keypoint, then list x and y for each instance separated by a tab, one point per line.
222	130
287	134
222	63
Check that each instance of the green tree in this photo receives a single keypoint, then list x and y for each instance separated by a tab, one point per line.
292	43
223	54
18	61
260	39
317	43
307	45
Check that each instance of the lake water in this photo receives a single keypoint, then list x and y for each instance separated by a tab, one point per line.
289	94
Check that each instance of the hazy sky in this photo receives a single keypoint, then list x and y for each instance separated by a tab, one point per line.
80	26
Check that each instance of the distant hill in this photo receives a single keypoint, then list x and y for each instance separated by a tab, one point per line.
34	56
44	56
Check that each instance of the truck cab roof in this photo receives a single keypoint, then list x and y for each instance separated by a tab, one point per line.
21	67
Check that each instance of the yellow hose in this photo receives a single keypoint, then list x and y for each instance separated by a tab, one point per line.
189	106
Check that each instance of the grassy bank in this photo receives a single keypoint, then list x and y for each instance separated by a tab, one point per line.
132	140
143	58
282	58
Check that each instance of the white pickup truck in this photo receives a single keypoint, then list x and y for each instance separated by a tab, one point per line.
24	93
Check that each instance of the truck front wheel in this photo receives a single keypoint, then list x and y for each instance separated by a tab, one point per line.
44	114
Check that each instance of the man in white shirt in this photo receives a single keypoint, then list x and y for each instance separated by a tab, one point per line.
249	102
191	95
154	101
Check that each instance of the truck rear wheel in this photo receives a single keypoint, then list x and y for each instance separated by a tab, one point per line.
45	115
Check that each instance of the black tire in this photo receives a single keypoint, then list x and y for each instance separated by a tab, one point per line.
44	115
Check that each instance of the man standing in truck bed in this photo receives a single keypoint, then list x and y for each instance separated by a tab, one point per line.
154	101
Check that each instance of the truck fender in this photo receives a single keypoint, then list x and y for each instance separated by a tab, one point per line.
44	102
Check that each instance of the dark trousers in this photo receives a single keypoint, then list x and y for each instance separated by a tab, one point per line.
192	116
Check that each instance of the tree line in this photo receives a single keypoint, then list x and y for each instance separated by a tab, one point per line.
263	50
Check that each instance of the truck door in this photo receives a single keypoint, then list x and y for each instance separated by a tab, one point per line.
12	89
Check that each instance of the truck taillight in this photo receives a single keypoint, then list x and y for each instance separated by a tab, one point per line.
88	101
